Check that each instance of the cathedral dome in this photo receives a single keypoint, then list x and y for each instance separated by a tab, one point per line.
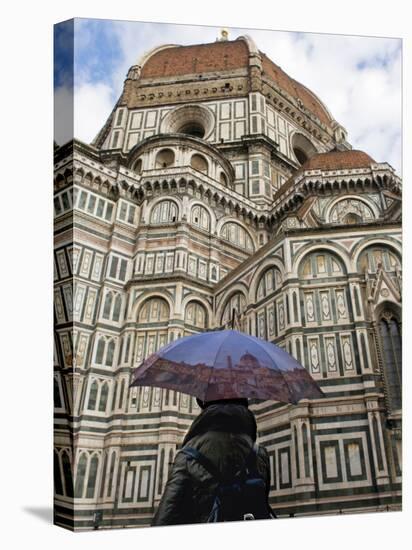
202	58
295	89
227	56
338	160
333	160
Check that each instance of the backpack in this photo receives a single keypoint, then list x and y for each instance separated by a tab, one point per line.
244	497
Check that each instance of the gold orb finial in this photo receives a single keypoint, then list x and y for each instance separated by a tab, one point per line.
224	34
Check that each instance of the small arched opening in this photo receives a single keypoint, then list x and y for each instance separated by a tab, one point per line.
198	162
223	179
303	148
165	158
138	166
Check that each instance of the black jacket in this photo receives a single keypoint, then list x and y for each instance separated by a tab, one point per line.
225	434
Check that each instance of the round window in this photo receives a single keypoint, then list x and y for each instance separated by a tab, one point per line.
300	155
303	148
192	120
192	129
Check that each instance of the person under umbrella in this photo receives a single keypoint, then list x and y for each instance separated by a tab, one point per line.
219	474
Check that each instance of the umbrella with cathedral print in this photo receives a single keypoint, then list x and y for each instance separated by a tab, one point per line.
227	364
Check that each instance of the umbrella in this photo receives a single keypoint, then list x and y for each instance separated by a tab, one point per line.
227	364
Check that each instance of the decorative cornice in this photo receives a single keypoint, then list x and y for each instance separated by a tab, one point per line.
124	182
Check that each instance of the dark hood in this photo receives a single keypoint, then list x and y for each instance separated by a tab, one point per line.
231	418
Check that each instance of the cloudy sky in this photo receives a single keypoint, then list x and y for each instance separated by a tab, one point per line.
358	78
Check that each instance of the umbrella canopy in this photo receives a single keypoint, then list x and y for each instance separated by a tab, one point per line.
227	364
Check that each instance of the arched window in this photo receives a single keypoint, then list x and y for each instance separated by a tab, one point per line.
165	158
117	307
110	353
101	345
154	310
91	404
377	256
223	179
58	485
198	162
195	315
316	306
103	478
67	473
120	357
105	351
107	305
295	307
114	395
350	211
121	394
237	235
56	394
104	394
164	212
127	351
81	473
269	281
138	166
390	333
91	482
236	303
111	474
321	264
112	306
200	217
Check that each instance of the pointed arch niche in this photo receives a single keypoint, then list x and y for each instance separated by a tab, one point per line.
389	332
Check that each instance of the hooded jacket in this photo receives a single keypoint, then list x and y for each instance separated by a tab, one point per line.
225	434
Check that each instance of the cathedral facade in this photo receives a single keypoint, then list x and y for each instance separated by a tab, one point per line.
220	190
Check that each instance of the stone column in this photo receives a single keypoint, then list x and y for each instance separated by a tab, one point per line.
378	446
303	475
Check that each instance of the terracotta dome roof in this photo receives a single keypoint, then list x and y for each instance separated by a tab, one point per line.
338	160
295	89
333	160
226	56
202	58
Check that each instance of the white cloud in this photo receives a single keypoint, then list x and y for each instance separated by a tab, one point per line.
63	114
93	104
137	39
366	101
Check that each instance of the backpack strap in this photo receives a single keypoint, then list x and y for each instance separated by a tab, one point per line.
207	464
